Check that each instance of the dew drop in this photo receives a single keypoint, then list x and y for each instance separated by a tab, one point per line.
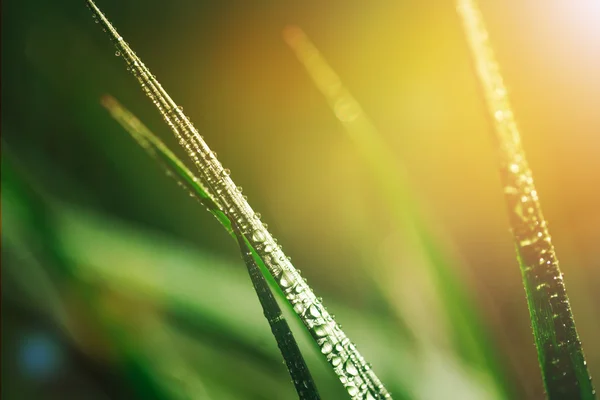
286	279
117	53
335	361
320	330
258	236
314	311
541	285
352	390
299	308
239	189
326	348
257	216
514	168
350	368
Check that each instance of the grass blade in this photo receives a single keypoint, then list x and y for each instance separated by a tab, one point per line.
290	351
150	380
348	364
464	324
560	353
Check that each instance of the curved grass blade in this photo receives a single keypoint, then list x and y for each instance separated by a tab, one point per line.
560	353
466	329
301	377
347	363
290	351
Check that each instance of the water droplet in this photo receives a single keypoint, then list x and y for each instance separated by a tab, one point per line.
258	236
286	279
226	172
117	53
352	390
299	308
257	216
541	285
499	115
314	311
239	189
350	368
335	361
326	348
514	168
320	330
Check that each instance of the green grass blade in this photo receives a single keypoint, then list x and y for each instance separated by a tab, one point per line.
560	353
290	351
465	328
29	209
348	364
303	381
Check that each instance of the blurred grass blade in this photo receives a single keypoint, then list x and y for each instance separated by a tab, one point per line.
150	380
348	364
290	351
465	328
560	353
303	381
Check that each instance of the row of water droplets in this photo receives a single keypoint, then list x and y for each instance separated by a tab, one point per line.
540	267
298	370
353	371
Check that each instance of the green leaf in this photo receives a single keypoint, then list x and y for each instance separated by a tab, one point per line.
559	349
466	329
290	351
347	363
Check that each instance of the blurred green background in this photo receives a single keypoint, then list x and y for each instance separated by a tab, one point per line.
116	284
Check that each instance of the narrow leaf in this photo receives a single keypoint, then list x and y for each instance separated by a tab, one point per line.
290	351
465	328
348	364
560	353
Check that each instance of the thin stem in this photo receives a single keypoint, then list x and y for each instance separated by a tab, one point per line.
560	354
286	342
348	364
301	377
